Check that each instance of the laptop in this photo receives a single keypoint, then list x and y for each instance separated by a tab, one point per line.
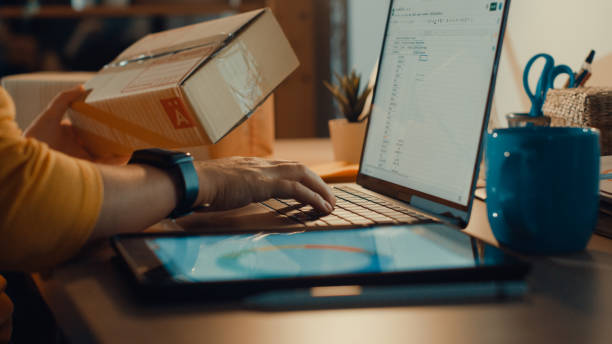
423	144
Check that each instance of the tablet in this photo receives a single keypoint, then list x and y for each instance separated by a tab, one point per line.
236	265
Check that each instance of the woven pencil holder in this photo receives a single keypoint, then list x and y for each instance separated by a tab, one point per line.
582	107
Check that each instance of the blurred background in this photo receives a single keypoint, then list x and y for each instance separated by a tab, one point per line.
328	36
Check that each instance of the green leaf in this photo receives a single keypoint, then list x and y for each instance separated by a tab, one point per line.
346	93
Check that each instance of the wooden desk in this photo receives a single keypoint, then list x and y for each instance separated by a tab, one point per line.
570	301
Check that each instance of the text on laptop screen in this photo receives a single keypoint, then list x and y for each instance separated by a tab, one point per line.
431	95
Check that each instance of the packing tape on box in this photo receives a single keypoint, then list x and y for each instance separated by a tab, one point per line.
239	69
114	122
216	42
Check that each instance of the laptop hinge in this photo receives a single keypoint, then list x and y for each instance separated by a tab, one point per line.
404	197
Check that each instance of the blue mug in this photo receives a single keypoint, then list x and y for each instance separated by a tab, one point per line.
543	187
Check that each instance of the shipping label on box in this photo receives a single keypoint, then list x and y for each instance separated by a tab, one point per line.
185	87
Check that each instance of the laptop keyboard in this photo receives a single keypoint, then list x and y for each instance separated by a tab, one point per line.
353	209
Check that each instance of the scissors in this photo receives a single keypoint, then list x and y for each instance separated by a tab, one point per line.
547	79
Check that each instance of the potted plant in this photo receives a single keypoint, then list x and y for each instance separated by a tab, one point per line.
347	133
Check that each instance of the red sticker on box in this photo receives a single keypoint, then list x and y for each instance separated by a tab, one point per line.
177	112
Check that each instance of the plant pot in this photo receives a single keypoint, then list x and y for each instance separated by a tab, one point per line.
347	139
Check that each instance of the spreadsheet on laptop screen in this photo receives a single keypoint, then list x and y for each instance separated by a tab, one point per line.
431	95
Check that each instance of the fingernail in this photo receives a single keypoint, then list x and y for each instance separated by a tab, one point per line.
329	207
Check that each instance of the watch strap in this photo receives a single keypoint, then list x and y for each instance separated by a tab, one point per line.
188	177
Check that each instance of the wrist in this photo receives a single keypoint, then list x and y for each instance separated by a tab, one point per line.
182	171
207	192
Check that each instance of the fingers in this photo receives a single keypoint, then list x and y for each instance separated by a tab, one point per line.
303	194
293	170
314	181
302	174
282	162
232	182
62	101
50	120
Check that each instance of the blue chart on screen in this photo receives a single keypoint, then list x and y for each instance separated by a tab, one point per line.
312	259
317	253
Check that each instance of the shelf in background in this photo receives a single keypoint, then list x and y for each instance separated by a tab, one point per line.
62	11
306	24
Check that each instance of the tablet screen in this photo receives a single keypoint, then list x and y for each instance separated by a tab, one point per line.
211	258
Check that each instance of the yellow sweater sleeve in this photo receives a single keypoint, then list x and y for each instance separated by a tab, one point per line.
49	202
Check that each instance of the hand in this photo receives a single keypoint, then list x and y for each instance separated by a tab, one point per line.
6	314
235	182
52	128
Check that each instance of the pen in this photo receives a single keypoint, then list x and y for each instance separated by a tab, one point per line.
388	295
585	71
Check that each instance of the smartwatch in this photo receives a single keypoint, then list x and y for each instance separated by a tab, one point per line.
180	165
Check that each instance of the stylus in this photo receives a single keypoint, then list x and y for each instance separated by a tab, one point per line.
373	296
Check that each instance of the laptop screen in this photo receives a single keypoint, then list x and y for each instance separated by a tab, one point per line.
432	95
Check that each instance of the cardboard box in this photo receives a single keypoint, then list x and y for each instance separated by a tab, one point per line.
185	87
33	92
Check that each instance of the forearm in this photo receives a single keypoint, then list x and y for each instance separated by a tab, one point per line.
135	197
138	196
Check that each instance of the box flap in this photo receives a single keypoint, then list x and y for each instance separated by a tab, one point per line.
209	33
